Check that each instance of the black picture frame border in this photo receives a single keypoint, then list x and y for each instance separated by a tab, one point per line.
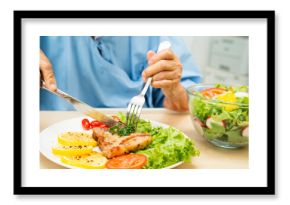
269	15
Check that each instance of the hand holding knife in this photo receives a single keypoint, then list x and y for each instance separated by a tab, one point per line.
83	107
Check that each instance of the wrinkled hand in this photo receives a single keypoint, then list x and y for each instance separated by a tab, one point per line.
166	71
165	68
46	72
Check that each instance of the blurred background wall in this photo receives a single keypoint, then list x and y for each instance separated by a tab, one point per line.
222	59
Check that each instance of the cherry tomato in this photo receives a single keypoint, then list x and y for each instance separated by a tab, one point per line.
96	123
128	161
103	126
212	92
86	124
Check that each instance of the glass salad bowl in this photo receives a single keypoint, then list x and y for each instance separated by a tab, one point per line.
220	113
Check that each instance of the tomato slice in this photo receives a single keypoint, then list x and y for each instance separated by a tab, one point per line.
128	161
86	124
212	92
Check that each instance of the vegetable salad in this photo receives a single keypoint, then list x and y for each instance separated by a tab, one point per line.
221	114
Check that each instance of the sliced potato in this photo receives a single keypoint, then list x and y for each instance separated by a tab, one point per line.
76	139
89	161
71	150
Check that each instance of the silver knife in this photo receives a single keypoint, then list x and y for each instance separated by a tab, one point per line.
84	108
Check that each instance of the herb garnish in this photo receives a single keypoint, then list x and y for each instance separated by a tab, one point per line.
122	130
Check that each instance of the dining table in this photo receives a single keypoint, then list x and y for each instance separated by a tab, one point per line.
210	157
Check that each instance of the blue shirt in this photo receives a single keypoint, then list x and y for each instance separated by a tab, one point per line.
106	71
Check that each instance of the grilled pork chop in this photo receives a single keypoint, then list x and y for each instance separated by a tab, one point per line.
115	145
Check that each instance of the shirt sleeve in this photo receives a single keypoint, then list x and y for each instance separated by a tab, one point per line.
190	74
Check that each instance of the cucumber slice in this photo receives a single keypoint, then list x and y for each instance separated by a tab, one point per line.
235	137
215	125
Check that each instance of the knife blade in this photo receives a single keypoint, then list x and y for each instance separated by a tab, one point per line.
84	108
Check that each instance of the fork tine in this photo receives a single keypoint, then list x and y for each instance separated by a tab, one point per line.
135	115
131	114
138	116
128	112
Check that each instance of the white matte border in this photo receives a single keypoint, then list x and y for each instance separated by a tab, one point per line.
256	175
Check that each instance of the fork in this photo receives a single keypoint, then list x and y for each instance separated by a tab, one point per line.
136	103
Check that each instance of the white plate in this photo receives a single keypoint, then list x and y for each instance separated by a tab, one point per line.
48	138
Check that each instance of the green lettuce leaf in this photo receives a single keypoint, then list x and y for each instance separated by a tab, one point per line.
168	147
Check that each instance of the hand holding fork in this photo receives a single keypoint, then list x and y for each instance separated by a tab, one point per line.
136	103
